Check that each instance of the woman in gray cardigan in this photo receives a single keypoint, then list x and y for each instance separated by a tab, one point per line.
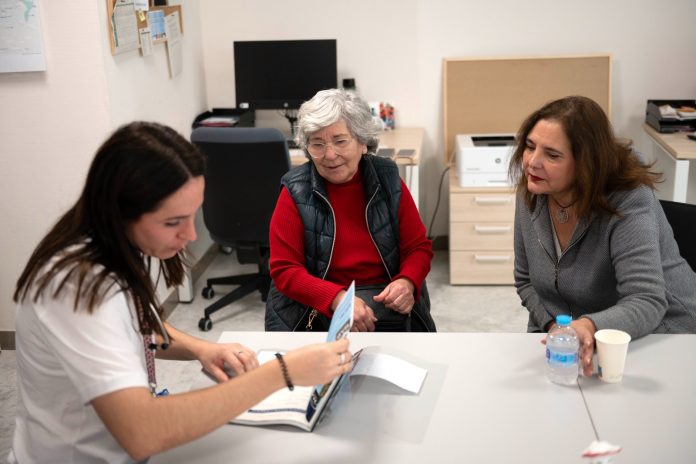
591	239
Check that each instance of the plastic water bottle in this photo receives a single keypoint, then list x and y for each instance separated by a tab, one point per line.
562	352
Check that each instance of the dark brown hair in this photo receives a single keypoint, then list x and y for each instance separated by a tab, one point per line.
603	164
139	166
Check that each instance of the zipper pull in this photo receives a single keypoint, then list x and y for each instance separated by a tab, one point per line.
311	317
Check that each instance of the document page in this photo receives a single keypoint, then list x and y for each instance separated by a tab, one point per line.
125	27
401	373
174	48
283	406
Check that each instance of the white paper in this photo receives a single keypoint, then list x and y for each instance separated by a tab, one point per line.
145	41
21	42
142	5
174	53
281	402
125	27
401	373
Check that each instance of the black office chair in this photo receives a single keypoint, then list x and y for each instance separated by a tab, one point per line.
682	218
241	189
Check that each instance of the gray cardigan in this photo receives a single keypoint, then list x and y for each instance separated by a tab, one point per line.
622	271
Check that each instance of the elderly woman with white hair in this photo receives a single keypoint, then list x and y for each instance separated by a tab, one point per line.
346	216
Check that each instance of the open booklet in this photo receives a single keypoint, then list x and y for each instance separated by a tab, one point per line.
304	406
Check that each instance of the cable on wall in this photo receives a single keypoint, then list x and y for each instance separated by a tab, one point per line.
437	204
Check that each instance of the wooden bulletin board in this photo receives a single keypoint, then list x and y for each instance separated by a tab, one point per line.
141	20
494	95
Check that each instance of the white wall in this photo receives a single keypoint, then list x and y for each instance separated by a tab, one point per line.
395	48
52	122
50	125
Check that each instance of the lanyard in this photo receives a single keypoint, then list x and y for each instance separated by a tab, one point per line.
150	346
148	341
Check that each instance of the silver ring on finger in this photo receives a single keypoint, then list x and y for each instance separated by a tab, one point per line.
343	359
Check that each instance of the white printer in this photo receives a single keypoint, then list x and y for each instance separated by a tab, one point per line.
483	159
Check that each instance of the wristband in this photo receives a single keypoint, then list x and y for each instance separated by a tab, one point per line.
284	368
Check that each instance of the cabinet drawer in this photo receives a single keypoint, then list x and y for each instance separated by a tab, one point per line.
481	267
488	207
481	236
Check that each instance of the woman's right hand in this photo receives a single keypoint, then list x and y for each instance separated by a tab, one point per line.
320	363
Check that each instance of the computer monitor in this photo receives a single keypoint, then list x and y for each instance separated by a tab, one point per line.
282	74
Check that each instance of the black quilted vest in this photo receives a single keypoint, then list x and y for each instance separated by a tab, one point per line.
382	186
383	193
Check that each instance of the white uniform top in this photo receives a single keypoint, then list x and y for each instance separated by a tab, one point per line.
65	359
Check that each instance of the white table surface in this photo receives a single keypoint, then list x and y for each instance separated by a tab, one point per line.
652	412
485	399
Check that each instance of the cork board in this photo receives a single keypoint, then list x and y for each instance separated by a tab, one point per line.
142	19
494	95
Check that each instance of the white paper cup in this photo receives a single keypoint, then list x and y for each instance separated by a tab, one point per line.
612	346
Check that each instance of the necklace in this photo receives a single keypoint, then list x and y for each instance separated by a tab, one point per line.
562	213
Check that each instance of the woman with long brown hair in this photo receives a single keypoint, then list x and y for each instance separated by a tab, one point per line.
591	239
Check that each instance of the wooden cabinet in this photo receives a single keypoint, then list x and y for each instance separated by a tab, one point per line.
481	234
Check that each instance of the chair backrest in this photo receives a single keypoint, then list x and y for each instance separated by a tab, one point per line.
682	218
242	182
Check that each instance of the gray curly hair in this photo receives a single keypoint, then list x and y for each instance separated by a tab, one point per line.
330	106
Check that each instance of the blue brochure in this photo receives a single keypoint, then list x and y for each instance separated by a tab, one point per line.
341	322
342	319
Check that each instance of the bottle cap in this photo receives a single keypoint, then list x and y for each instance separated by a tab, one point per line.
563	319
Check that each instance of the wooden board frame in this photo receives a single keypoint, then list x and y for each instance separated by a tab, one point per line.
494	95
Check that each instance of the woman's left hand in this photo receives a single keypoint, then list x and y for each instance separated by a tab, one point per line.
398	296
215	357
585	329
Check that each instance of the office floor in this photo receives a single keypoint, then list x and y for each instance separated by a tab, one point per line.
454	308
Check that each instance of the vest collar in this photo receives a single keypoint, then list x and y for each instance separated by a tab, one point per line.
367	171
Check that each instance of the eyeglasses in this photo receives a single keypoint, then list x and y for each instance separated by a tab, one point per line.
317	148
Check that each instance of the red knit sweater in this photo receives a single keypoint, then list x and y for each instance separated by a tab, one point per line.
355	256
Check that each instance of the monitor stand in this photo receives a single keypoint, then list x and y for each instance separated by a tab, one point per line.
291	116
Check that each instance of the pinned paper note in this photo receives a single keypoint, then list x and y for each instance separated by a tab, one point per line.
145	41
172	28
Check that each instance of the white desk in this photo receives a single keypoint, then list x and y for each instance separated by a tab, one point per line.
485	399
652	413
673	154
399	139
